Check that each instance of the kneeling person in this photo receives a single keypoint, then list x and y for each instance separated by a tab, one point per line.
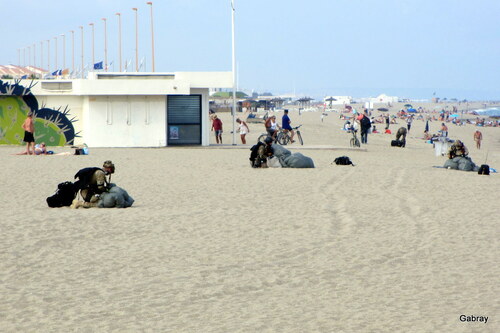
94	181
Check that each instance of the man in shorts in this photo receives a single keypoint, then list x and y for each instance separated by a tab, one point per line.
29	134
478	136
217	128
285	124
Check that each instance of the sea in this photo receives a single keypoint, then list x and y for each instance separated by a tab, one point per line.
491	112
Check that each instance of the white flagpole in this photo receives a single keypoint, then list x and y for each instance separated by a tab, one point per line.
234	75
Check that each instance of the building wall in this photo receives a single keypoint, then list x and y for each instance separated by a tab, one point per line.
125	121
117	109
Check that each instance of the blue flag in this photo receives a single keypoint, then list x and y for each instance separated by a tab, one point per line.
98	65
57	72
24	77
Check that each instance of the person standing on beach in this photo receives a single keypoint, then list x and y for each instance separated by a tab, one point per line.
29	134
243	129
444	130
365	124
217	127
478	136
409	120
285	124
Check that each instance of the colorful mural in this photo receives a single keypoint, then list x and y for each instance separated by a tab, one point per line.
51	126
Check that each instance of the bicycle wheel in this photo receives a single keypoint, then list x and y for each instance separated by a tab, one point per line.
300	138
262	138
283	139
357	143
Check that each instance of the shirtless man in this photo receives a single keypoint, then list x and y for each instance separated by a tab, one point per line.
478	136
29	134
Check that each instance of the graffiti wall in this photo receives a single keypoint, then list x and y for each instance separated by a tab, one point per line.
54	127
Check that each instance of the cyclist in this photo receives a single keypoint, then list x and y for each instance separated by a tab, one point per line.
272	126
285	124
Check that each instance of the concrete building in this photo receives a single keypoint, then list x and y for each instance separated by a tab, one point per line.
135	109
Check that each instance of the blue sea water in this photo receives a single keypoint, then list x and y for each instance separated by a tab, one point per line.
492	112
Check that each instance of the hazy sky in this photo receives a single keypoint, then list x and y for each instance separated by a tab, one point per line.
407	48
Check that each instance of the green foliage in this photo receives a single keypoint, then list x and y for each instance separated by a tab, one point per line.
225	94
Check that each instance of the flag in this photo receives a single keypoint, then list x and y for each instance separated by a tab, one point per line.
98	65
57	72
65	71
24	77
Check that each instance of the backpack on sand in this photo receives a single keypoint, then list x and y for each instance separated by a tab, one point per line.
343	160
484	169
64	196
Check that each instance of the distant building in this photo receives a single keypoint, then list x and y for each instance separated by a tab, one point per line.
18	72
337	100
121	109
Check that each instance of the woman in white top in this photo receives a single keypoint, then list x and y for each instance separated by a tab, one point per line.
243	129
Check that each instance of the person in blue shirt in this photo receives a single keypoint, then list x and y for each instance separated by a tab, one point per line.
285	124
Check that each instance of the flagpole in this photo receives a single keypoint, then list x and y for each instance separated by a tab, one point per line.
93	53
120	38
41	55
105	47
72	52
152	37
56	51
48	55
64	51
83	63
234	73
136	42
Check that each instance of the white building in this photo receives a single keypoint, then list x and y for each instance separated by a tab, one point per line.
384	99
136	109
337	100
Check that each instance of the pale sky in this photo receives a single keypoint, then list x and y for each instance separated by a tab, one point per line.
361	48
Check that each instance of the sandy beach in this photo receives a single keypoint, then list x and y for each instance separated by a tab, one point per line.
212	245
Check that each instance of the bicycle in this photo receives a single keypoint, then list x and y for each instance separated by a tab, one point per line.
284	138
354	142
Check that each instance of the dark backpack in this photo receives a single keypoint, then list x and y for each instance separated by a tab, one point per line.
484	169
64	195
365	122
343	160
254	155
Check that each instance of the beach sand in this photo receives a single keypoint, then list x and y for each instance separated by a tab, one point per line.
212	245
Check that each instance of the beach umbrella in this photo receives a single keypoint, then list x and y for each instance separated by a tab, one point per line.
408	106
348	107
383	109
330	99
412	110
454	115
